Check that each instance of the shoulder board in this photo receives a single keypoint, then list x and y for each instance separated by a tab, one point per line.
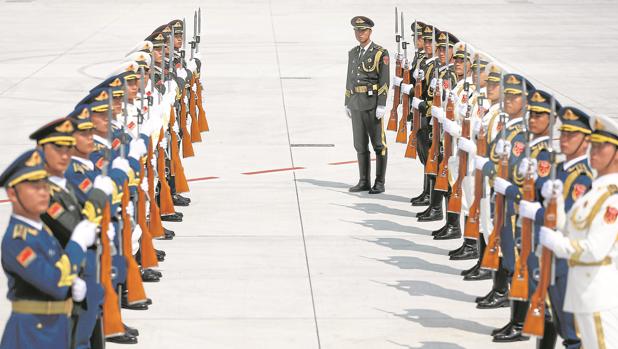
582	169
53	188
541	145
21	231
78	168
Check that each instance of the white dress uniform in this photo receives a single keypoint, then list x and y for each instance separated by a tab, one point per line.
589	244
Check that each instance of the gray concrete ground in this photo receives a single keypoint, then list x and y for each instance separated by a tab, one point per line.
291	259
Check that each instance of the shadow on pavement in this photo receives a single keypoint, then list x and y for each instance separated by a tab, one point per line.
373	208
328	184
385	225
430	345
435	319
407	245
340	185
409	262
424	288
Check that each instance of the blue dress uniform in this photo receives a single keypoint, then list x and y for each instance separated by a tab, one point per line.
576	177
39	271
516	138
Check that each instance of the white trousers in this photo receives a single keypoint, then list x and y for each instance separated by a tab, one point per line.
598	330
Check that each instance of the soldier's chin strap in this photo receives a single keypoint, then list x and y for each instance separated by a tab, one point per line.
611	159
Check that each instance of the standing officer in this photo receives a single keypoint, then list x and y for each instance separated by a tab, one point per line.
589	243
365	103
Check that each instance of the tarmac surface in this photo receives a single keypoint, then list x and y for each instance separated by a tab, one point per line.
288	258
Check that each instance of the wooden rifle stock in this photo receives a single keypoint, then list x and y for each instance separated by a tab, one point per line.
431	166
148	254
187	146
392	121
200	106
195	125
411	150
519	285
454	202
402	131
491	258
155	225
135	287
166	204
112	320
442	179
178	171
535	318
472	228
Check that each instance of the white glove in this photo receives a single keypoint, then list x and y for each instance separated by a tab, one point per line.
175	128
479	162
130	209
477	123
105	184
437	113
135	236
416	73
433	83
416	102
181	73
78	289
552	187
163	144
462	109
137	149
348	112
406	88
144	186
191	65
452	128
464	144
500	185
500	146
121	164
522	169
555	241
84	234
380	111
396	81
528	209
111	232
153	162
400	109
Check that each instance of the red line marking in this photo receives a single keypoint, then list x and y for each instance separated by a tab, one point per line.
3	201
275	170
346	162
201	179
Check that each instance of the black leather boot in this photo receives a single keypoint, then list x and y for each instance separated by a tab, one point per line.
471	270
180	200
452	228
431	181
423	199
513	332
364	173
434	211
550	336
122	339
470	251
130	330
499	297
378	185
174	217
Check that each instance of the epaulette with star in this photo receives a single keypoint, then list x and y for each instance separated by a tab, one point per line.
21	231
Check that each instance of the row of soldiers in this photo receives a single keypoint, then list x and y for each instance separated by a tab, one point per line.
525	202
90	198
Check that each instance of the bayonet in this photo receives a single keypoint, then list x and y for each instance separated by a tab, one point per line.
125	116
184	38
142	91
171	58
397	36
110	117
404	44
526	121
199	30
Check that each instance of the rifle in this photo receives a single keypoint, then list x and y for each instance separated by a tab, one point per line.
442	179
184	38
454	202
471	230
199	30
491	258
535	317
194	41
519	285
402	131
431	166
142	91
392	121
416	122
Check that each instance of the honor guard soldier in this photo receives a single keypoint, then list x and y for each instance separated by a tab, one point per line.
42	275
365	103
586	238
576	175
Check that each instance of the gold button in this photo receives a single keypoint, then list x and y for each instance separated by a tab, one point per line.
39	326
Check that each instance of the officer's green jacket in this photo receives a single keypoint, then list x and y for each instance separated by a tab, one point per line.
368	78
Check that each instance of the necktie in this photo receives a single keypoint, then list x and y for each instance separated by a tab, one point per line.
362	52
